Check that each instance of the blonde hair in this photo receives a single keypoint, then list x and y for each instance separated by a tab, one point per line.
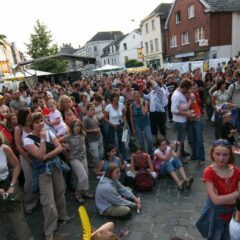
61	102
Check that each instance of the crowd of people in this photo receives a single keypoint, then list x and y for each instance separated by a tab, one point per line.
115	126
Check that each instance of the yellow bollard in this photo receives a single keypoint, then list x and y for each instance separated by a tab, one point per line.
86	226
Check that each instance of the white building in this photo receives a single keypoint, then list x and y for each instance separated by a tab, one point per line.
94	47
123	49
153	36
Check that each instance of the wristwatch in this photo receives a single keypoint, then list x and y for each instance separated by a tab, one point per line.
12	185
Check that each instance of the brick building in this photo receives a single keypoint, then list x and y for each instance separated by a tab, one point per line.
202	29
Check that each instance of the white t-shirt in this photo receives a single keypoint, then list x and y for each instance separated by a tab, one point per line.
49	138
178	99
163	154
53	116
234	229
115	116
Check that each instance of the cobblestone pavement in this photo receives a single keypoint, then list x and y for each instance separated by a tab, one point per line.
166	211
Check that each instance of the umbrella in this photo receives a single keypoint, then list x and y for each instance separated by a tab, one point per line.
108	67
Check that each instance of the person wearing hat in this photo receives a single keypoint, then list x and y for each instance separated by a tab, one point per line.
4	110
234	98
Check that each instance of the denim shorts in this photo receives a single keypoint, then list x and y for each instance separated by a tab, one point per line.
170	166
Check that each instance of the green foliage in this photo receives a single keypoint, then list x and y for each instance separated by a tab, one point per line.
2	38
41	45
133	63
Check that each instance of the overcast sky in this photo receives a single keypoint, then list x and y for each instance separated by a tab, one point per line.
72	21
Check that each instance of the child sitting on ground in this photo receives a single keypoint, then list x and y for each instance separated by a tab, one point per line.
167	161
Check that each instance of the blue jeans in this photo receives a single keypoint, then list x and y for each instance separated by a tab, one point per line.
181	133
221	231
195	138
236	119
145	134
116	138
170	166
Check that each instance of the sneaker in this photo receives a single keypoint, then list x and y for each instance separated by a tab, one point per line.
89	195
124	232
80	199
189	182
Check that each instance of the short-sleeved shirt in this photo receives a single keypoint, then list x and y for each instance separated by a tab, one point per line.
90	123
53	116
221	97
157	161
115	115
223	185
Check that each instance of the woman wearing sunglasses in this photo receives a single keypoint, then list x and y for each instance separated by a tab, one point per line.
222	182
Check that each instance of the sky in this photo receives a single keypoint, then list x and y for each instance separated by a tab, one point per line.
72	21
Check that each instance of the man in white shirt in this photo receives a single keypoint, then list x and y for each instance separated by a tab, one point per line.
180	110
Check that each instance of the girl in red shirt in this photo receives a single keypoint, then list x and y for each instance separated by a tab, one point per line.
222	182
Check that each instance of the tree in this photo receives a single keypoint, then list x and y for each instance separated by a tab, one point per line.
2	39
41	45
133	63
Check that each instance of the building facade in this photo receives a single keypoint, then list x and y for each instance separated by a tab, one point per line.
94	47
123	49
153	36
202	29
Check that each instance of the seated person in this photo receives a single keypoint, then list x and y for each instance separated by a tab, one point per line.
111	157
234	226
112	198
139	161
167	161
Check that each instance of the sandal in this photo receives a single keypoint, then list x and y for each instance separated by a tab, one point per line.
189	182
182	185
80	199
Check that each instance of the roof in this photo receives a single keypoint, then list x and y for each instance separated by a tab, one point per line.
213	6
223	5
103	36
161	10
85	60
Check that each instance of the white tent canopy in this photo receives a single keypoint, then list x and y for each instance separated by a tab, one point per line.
26	73
108	67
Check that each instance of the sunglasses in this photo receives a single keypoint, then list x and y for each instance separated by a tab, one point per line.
222	142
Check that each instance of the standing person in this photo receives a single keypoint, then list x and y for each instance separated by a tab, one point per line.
220	97
157	111
20	132
78	159
222	182
181	114
4	110
234	98
13	210
140	123
16	103
195	127
94	136
48	176
115	115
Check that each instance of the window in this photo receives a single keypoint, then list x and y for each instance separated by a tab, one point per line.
178	17
126	58
146	27
146	47
173	41
124	46
199	34
153	24
185	38
156	45
191	11
95	48
151	46
133	36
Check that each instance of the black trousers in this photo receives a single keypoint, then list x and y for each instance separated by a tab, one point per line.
157	121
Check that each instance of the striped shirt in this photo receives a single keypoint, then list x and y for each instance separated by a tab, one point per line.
139	119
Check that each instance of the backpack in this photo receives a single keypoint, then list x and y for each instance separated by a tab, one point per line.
144	181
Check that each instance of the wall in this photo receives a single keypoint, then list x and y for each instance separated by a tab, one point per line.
235	33
200	19
221	51
152	35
